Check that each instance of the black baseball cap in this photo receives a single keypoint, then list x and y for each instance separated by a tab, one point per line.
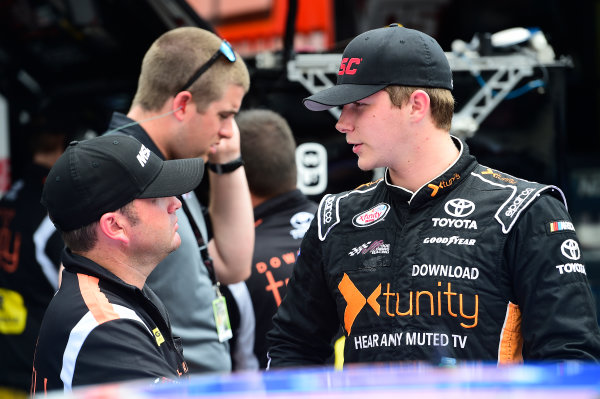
378	58
105	173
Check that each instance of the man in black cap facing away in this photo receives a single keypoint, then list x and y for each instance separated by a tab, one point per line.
443	259
114	202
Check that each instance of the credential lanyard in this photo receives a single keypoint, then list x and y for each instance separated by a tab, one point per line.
202	246
219	306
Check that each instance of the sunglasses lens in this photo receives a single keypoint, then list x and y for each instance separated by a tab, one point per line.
227	51
224	49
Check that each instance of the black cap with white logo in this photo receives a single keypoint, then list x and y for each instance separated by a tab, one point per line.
382	57
105	173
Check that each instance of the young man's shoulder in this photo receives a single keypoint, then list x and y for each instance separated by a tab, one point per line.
334	208
512	195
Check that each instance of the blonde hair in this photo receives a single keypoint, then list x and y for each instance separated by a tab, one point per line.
172	60
442	102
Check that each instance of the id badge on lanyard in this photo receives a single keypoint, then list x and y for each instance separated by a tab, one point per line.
221	316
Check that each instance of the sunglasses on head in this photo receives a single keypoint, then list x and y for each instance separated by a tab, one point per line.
225	49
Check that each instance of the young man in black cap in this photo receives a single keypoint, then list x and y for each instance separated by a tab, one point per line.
114	202
442	260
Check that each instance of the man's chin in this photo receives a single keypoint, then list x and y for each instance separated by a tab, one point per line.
212	149
364	166
176	243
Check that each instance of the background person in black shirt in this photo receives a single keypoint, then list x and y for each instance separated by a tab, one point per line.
282	214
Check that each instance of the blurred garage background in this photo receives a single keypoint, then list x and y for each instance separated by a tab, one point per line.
74	62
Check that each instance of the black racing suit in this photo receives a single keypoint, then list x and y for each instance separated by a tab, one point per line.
99	329
475	265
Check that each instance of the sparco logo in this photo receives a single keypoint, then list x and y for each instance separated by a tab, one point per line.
372	216
459	208
570	249
328	210
514	207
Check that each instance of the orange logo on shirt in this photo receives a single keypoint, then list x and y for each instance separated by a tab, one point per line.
356	301
420	303
275	262
443	184
498	176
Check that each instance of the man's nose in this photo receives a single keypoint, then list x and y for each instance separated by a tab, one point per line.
174	204
226	130
343	123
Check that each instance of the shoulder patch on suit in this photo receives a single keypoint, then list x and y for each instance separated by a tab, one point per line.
328	213
523	194
559	226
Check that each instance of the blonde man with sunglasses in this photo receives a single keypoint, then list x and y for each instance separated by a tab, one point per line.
190	88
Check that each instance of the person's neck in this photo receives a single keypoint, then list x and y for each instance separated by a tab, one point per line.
159	129
121	265
426	159
258	199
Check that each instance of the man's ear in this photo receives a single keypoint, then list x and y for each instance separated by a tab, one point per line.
112	226
180	103
420	104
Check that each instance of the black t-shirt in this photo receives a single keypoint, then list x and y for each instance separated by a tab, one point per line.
280	224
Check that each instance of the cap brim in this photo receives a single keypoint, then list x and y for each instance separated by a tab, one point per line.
176	177
340	95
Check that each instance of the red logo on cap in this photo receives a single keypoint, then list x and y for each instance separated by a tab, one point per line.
346	68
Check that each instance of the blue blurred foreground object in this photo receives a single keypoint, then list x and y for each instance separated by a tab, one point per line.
557	380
